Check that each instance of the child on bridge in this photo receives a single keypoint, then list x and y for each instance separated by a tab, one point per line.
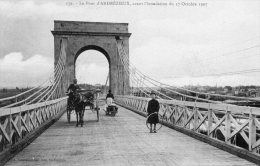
152	110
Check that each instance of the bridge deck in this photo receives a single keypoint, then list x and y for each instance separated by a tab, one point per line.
120	140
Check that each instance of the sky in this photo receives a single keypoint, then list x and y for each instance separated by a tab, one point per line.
92	67
179	45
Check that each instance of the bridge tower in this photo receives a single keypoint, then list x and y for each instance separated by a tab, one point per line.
74	37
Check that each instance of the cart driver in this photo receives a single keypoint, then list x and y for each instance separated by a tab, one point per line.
73	89
109	98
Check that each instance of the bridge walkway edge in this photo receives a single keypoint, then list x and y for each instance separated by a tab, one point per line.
9	153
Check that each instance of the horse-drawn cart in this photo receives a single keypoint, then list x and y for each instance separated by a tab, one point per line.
79	102
70	108
91	102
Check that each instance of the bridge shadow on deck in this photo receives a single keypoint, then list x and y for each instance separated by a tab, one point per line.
120	140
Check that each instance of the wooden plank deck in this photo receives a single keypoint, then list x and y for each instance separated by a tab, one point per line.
121	140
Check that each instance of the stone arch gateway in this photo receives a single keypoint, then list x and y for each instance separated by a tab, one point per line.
75	37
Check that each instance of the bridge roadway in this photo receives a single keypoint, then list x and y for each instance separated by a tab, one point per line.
121	140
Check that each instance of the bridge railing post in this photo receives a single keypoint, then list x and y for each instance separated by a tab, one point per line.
210	121
252	132
10	127
185	116
228	127
196	119
19	123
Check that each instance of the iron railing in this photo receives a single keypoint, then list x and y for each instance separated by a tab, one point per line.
230	124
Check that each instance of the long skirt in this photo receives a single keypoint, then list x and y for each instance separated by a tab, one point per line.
153	119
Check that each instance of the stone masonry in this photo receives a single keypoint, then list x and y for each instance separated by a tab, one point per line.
101	36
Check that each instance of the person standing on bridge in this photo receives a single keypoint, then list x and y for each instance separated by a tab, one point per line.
152	110
109	97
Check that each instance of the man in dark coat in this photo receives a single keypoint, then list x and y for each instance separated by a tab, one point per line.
74	87
109	98
72	91
110	95
153	108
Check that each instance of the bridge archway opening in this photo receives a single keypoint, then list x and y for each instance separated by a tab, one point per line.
92	66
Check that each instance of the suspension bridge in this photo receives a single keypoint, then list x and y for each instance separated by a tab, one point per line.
197	129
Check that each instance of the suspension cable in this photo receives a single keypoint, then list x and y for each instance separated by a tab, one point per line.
187	90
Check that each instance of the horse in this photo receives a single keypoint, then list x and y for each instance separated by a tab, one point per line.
79	104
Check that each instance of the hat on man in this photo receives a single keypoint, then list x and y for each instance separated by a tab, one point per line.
153	92
75	81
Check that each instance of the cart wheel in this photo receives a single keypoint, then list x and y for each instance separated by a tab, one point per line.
98	114
68	115
159	126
